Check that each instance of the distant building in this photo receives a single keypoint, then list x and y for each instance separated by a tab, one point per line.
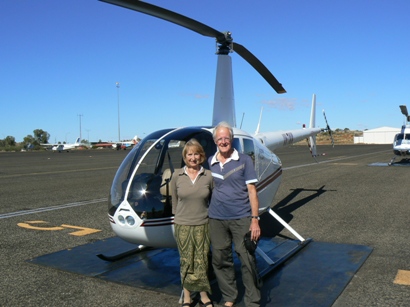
382	135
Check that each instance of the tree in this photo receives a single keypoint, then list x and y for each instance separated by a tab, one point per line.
29	139
41	136
10	141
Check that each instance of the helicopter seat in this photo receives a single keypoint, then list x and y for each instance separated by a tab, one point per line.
165	188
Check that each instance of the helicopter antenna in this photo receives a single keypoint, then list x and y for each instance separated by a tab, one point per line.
243	115
259	123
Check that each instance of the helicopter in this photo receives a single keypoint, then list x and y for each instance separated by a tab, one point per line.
401	143
140	209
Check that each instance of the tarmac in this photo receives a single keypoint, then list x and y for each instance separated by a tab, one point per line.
54	202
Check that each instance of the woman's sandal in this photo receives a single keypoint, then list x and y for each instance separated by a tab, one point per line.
186	304
209	303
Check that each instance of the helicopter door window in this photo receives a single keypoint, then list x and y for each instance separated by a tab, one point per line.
236	143
249	149
173	157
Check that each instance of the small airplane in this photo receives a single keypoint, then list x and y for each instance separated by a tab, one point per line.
140	200
401	143
65	147
117	145
127	144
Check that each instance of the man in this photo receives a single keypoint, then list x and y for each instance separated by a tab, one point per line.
233	212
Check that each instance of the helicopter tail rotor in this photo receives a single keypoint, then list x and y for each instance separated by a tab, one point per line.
328	129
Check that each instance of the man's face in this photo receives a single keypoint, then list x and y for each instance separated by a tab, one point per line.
223	140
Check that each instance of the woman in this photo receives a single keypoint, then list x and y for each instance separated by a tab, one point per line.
191	189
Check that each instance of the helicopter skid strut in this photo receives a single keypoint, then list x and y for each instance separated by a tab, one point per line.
273	264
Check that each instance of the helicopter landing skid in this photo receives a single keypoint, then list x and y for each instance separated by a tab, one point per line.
282	258
122	255
403	161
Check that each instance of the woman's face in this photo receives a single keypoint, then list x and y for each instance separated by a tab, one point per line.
192	158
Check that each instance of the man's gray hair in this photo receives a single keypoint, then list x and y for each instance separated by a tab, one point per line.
223	125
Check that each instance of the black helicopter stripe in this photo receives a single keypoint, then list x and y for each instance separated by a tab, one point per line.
155	225
158	222
150	223
268	180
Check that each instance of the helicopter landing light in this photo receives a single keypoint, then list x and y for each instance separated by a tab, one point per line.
121	219
130	220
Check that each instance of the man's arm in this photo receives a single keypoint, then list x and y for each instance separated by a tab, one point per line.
253	198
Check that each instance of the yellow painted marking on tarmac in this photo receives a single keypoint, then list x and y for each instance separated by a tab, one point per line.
83	230
29	226
402	278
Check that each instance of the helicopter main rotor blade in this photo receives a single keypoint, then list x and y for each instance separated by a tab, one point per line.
170	16
196	26
258	65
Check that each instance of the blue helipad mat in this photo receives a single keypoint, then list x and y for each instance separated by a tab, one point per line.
315	275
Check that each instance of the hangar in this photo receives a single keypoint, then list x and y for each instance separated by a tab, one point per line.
382	135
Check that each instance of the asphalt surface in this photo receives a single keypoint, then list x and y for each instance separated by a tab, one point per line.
342	199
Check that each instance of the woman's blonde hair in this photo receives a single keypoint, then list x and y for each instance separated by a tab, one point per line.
196	146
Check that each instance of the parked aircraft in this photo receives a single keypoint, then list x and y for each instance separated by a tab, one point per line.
126	144
65	147
117	145
140	199
401	143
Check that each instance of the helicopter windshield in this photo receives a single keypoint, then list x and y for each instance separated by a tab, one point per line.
402	138
143	177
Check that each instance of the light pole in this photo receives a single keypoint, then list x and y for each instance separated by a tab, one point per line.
88	135
79	115
118	100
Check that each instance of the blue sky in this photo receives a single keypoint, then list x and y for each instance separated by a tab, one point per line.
60	61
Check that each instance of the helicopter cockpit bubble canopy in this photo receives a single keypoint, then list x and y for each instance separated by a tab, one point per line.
139	180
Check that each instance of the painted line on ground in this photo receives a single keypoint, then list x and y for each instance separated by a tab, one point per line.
52	208
334	160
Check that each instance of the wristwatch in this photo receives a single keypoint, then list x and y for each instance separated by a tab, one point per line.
255	217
